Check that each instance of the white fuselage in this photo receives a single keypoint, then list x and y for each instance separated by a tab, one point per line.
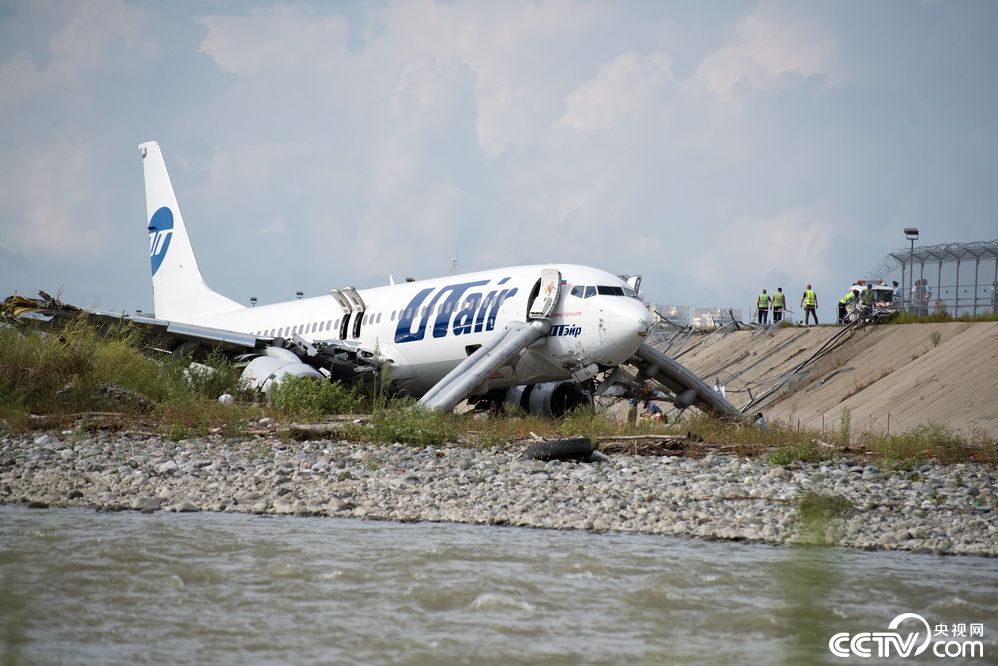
427	327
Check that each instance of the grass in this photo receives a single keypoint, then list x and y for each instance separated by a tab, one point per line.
939	318
106	381
81	371
932	442
309	398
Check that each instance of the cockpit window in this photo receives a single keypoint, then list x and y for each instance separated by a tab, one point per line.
588	291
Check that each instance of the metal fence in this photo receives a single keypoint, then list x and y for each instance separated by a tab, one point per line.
952	278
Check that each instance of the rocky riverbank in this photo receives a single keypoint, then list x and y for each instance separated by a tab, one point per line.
934	509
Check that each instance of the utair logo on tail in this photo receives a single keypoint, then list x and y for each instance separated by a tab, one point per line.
160	233
455	312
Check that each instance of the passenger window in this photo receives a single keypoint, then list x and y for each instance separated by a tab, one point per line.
379	317
393	315
590	291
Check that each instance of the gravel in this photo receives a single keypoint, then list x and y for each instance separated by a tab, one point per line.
933	509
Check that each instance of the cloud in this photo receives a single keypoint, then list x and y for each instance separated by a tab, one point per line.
769	53
51	192
802	243
620	91
85	41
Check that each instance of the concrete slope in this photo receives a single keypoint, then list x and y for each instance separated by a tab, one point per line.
894	377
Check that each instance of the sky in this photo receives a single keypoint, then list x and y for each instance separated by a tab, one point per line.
714	148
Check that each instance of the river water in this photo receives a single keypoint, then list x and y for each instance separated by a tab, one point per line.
80	587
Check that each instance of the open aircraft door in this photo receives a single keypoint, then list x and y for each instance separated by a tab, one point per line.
547	297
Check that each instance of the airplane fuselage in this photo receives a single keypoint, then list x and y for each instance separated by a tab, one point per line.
427	327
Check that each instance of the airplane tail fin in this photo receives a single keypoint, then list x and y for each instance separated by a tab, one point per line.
179	291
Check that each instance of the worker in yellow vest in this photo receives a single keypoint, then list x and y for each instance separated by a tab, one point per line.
845	303
779	304
764	302
809	301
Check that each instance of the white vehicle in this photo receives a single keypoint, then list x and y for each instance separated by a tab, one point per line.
532	335
874	303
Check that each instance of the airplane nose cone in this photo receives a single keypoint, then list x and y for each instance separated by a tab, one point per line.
626	322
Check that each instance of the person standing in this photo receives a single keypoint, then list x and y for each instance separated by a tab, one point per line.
779	303
763	307
896	298
809	301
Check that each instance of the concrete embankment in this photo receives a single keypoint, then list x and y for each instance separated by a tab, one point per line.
890	378
934	509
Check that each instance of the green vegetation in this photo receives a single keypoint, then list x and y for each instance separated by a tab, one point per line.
932	442
308	398
90	381
844	420
801	452
939	318
407	422
935	337
103	379
815	511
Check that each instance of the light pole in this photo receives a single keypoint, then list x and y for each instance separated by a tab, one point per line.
911	233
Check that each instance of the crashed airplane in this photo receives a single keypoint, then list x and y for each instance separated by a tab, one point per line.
534	336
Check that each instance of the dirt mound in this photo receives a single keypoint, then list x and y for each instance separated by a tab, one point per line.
889	377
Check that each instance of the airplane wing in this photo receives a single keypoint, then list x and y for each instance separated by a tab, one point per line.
159	334
341	360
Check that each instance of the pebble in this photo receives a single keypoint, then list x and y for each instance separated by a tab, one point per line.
945	509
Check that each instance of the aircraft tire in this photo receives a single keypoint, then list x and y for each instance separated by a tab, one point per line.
574	448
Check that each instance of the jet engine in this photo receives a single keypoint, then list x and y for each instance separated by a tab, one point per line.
554	399
264	372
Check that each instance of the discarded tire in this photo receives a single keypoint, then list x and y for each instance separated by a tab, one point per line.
576	448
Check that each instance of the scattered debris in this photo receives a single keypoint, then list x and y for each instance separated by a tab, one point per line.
575	448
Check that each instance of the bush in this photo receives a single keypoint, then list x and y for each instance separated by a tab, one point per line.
930	441
44	373
413	424
312	398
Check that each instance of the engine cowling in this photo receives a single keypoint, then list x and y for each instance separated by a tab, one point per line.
265	372
554	399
